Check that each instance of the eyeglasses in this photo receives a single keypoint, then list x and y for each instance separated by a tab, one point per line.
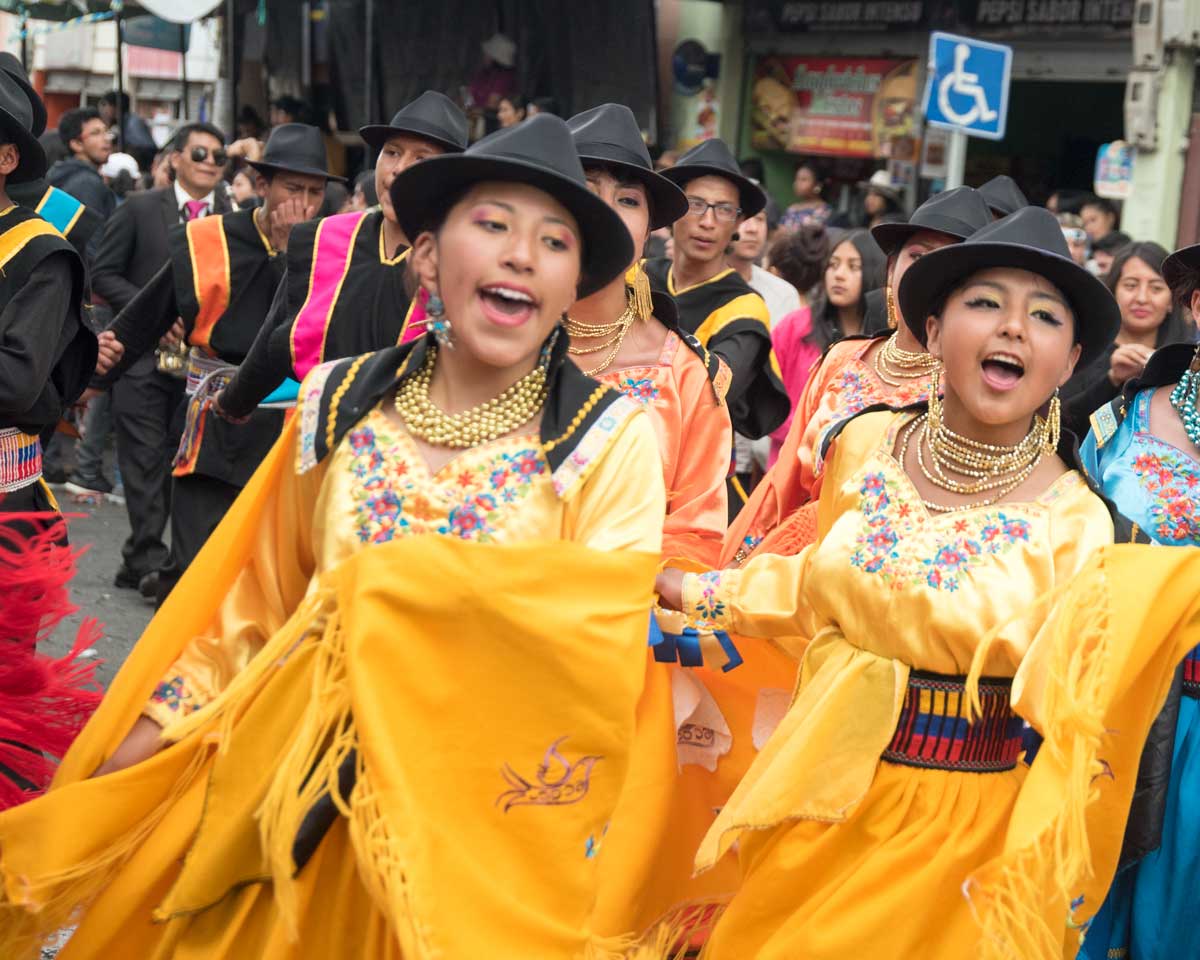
698	207
200	154
1074	235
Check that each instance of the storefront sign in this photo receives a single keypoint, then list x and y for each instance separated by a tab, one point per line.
1051	13
1114	170
794	16
836	106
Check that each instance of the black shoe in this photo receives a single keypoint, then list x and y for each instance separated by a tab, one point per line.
126	579
55	476
79	483
148	586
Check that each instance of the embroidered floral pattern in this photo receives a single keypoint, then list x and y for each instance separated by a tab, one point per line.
641	389
389	502
889	514
1172	483
174	695
575	468
710	607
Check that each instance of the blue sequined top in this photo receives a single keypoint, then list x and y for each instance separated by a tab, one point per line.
1152	482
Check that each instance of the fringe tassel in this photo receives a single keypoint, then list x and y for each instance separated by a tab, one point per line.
681	933
1009	907
638	293
198	410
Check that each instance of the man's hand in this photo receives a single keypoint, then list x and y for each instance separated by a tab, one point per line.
1128	361
174	336
248	148
283	218
110	352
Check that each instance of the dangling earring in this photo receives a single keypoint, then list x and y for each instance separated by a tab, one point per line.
893	316
639	298
935	400
437	323
1053	425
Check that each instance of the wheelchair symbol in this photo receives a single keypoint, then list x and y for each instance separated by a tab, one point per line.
966	85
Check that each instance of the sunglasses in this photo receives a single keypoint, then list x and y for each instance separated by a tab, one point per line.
200	154
1074	234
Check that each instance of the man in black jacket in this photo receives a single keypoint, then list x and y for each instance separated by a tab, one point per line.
132	250
84	134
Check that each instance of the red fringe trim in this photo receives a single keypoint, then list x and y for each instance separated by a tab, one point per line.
44	702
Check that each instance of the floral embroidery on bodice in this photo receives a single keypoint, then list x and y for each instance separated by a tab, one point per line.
393	493
890	511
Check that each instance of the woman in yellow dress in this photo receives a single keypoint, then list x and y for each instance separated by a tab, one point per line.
387	712
890	813
853	374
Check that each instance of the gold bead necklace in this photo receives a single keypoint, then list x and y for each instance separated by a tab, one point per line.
989	467
615	331
490	420
892	362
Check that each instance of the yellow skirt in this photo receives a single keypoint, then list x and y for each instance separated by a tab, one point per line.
887	880
337	916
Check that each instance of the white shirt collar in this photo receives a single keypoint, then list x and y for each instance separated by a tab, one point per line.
182	197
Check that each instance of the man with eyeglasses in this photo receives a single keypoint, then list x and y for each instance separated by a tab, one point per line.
317	315
716	304
132	250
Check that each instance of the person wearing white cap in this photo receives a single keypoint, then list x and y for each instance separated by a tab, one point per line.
495	77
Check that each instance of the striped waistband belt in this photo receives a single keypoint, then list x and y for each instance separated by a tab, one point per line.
20	459
1191	674
934	730
200	367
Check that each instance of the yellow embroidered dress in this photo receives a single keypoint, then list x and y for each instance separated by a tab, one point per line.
390	733
877	801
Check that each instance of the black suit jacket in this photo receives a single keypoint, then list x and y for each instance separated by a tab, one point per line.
134	247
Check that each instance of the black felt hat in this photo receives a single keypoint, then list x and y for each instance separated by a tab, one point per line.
1030	239
538	152
432	116
712	158
1178	265
609	134
1003	196
295	148
12	66
16	123
957	213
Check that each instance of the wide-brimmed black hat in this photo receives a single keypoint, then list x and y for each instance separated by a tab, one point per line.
957	213
16	127
295	148
1030	239
12	66
538	152
609	134
432	116
712	158
1177	266
1003	196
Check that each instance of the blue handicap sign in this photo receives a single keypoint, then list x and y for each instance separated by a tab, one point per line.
967	89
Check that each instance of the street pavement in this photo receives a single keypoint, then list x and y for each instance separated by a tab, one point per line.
100	529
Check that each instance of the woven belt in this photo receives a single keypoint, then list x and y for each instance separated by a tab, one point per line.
1191	674
20	459
934	732
200	366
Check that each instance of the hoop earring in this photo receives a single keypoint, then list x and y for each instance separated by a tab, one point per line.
1053	425
437	323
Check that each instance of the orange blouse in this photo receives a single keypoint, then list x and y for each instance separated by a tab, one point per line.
694	434
780	516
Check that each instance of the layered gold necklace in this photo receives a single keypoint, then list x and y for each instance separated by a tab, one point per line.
491	420
966	467
615	332
895	365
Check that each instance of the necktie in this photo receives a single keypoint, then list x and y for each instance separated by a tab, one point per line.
194	208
